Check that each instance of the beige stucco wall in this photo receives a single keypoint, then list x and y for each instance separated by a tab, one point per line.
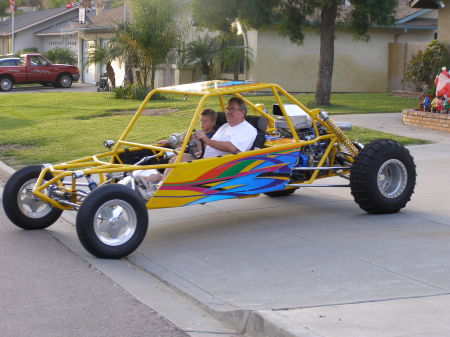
444	24
358	66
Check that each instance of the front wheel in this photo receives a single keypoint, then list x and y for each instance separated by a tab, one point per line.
383	177
65	81
23	208
112	221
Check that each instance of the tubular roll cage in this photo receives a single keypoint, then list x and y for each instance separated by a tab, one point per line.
96	165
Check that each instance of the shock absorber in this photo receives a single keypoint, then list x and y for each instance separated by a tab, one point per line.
343	140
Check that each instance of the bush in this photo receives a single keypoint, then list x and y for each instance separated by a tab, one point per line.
61	55
29	50
123	92
425	65
135	91
140	91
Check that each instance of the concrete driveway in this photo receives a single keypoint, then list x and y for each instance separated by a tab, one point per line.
33	88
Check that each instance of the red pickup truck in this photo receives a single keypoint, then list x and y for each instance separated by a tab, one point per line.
35	68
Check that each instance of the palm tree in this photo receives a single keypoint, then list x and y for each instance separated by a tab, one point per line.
104	55
151	34
233	52
202	52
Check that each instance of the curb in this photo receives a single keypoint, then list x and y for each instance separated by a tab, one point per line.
257	323
7	169
263	323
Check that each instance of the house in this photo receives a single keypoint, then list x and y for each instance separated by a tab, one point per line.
30	28
98	30
374	66
443	8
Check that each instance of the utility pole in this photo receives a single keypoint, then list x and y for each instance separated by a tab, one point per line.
12	9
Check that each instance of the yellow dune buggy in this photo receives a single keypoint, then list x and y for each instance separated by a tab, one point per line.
294	147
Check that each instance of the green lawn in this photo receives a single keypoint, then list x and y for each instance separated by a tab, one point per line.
55	127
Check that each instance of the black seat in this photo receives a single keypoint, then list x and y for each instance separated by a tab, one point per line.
258	122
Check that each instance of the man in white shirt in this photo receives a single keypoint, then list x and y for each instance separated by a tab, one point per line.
237	135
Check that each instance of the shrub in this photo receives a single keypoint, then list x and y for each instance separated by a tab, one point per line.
28	50
140	91
425	65
61	55
135	91
123	92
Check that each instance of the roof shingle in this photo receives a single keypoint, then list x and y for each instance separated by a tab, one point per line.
32	18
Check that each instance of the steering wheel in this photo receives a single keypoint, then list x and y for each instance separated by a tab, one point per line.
196	147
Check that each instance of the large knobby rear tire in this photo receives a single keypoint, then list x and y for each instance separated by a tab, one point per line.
21	206
112	221
383	177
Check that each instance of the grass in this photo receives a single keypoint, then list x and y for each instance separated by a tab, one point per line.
55	127
364	136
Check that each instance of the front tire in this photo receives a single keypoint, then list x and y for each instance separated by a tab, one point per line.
112	221
65	81
21	206
383	177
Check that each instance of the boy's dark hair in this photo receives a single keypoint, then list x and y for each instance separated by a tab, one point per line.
210	113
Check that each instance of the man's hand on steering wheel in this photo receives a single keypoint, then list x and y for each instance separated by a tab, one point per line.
196	146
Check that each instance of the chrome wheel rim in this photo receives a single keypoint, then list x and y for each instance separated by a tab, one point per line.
392	178
115	222
65	81
6	84
29	204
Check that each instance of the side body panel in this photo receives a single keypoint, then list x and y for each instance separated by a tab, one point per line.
18	73
231	176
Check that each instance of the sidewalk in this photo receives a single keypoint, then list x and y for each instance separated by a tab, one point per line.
312	264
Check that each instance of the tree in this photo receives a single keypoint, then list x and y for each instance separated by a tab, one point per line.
425	65
32	3
202	52
104	55
290	17
151	34
232	53
4	6
54	3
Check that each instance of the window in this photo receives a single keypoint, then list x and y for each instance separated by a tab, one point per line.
9	63
38	61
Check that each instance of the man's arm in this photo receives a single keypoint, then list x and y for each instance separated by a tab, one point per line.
218	145
221	146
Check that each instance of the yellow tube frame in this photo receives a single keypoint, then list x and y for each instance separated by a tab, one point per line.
96	164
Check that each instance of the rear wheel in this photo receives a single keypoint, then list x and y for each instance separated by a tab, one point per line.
383	177
6	83
21	206
281	193
112	221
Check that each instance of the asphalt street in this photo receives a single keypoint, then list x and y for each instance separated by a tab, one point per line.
47	290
